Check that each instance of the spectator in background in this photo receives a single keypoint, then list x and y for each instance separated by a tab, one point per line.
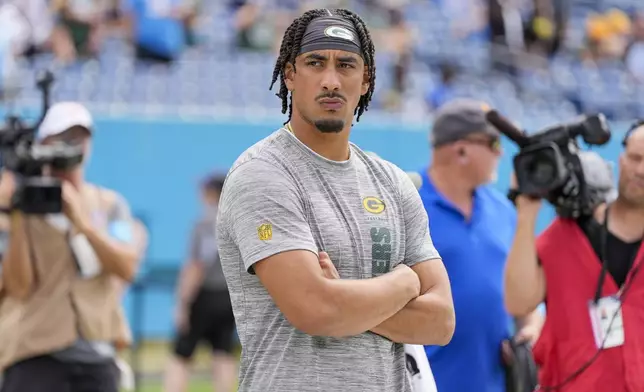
519	28
397	40
160	30
10	48
80	27
257	22
621	30
468	18
204	311
506	33
608	36
254	31
473	226
443	91
541	32
635	52
31	26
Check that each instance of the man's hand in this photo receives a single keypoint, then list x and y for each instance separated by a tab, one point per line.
528	334
525	204
412	276
73	206
330	272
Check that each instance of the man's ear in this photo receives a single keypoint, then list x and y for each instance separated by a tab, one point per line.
289	73
365	81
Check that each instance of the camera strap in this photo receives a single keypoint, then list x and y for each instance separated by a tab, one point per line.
603	250
603	254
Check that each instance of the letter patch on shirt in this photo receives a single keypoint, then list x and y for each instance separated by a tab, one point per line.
380	250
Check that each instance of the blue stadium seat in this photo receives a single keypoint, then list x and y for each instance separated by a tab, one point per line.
214	75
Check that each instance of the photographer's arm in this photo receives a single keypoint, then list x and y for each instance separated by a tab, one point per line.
17	269
116	249
116	257
525	281
192	273
428	319
529	327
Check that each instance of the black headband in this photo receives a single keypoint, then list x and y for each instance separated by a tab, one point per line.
331	32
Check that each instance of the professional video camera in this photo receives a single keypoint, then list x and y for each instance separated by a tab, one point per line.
550	164
36	193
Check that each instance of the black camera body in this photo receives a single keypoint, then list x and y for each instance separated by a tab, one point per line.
550	165
36	193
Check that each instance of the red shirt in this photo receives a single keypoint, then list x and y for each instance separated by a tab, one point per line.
567	342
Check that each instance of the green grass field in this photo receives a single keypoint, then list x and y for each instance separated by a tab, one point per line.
195	386
153	357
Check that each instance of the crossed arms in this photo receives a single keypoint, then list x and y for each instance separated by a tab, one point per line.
411	304
390	305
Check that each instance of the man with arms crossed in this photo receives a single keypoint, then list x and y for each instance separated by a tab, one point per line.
326	250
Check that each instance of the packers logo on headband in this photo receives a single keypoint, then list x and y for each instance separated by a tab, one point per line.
338	32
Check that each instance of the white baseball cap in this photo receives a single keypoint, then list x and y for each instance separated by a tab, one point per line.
63	116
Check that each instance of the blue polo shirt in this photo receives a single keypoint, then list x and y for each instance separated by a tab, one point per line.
474	252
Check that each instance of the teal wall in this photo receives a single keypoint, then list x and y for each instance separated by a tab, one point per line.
157	163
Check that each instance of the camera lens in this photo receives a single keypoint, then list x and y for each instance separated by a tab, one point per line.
542	171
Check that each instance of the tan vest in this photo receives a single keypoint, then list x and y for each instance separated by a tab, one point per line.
62	303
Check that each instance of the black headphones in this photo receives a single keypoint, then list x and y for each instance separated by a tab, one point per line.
633	127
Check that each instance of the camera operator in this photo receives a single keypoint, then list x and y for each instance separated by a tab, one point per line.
61	317
586	270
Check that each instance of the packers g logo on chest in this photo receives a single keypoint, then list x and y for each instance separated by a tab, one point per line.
373	205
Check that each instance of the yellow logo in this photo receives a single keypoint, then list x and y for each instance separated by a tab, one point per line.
265	232
373	205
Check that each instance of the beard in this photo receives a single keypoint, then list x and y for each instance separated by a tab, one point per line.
634	200
329	125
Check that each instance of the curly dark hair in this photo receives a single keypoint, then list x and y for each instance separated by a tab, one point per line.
291	47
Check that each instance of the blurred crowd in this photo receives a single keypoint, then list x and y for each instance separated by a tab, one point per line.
616	36
425	47
74	29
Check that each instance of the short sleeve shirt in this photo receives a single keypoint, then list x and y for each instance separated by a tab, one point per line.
474	251
364	212
203	249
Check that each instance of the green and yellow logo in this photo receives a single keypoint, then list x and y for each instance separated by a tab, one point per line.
373	205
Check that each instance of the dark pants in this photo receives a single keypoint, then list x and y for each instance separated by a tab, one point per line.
46	374
212	321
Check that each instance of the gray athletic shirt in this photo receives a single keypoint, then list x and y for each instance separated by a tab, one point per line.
364	212
203	247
